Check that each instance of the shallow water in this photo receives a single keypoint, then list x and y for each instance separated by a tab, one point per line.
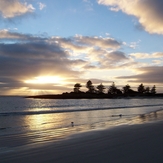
30	121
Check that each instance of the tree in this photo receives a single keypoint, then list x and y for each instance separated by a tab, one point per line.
126	89
147	90
118	92
153	90
89	85
77	87
141	88
100	88
113	90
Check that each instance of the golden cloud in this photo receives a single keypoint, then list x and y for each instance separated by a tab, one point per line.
148	12
14	8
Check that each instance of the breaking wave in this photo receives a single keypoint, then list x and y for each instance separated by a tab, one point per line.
73	110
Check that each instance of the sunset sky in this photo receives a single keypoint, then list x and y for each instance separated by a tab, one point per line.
46	46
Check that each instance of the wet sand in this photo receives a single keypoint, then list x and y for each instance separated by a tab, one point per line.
122	144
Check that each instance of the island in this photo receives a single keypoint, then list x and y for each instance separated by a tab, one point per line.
98	92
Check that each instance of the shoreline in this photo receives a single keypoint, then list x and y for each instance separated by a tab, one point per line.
124	143
94	96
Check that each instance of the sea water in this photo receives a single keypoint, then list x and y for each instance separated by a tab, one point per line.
30	121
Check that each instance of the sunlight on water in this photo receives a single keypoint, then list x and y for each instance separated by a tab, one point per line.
43	125
38	120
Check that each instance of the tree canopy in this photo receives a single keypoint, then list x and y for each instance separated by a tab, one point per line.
113	90
153	90
91	88
101	88
126	89
141	88
77	87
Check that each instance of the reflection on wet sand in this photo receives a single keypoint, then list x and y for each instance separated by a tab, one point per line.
51	127
47	127
152	116
43	128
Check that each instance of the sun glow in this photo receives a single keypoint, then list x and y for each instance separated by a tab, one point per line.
45	80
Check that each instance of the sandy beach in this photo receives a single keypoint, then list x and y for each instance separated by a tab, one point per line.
126	143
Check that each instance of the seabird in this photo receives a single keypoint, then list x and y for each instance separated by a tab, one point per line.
72	124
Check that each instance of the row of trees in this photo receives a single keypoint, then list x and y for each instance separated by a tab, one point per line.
113	90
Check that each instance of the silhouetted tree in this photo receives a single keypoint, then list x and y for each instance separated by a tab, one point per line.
101	88
118	92
77	87
153	90
126	89
113	90
141	88
147	90
91	88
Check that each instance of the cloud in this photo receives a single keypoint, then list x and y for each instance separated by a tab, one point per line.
24	57
153	75
116	56
98	52
104	59
115	59
41	5
7	35
29	56
74	43
69	44
148	12
33	59
147	55
83	81
99	42
152	58
134	45
89	5
14	8
83	44
86	48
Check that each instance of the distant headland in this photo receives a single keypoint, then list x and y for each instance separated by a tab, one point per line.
98	92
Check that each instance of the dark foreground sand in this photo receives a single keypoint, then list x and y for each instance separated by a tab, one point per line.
124	144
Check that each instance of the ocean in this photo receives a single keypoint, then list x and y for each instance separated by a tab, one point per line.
30	121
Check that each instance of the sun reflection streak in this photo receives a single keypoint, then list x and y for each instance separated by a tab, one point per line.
47	127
